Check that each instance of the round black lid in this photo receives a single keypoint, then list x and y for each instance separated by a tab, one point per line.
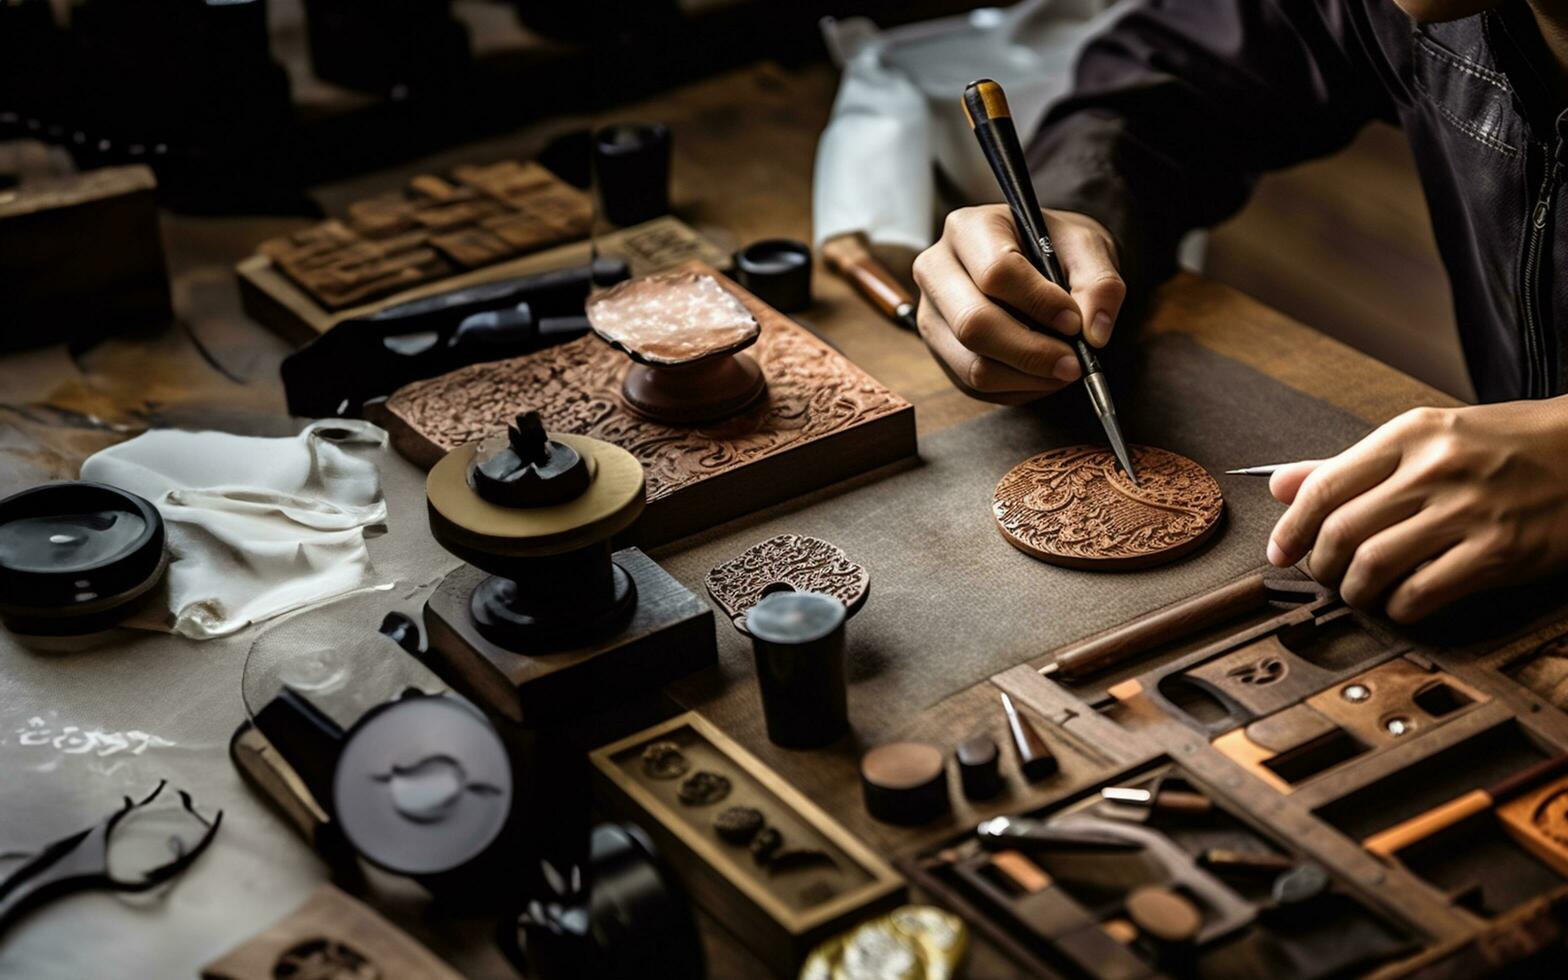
423	785
531	470
777	271
71	544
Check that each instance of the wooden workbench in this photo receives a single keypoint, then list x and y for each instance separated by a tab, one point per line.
744	146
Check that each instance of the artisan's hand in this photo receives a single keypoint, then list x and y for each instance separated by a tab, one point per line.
976	287
1435	505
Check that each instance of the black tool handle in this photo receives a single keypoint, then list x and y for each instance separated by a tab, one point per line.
986	106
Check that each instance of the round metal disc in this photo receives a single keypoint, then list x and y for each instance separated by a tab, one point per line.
1076	507
423	785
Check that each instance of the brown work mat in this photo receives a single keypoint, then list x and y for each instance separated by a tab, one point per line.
951	602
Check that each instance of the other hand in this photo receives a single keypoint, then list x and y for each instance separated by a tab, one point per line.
1432	506
977	289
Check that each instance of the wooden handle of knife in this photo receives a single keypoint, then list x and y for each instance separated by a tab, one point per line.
1385	844
850	256
1162	626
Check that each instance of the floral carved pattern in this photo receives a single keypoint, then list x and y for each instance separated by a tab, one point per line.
1075	507
790	561
813	392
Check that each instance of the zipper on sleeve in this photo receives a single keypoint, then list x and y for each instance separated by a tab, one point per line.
1538	372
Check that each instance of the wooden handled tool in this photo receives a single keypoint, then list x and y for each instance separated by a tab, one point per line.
850	256
985	105
1385	844
1177	621
1035	759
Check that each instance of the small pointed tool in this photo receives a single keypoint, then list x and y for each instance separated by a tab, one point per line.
1266	470
986	107
1035	759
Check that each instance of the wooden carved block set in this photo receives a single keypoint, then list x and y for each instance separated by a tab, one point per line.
434	228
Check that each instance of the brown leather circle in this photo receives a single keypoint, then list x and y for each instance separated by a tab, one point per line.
902	765
1076	507
1164	914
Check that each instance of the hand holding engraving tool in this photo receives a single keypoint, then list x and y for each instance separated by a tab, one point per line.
986	107
1386	843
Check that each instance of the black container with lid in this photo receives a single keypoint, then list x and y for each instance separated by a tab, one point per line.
76	557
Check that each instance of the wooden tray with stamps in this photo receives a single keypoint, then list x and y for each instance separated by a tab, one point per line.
477	224
822	420
754	851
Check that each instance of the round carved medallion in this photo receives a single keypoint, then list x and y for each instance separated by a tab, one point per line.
1075	507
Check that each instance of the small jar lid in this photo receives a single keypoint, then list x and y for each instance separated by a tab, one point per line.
423	785
777	271
794	618
75	551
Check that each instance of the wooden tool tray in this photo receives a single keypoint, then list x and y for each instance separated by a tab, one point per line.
782	916
1068	935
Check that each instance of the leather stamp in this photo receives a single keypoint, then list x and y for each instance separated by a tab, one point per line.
822	419
788	561
1075	507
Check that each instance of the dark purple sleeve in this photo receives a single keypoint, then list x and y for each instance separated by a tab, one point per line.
1181	104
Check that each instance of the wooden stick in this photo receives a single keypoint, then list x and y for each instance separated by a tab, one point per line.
1386	843
1161	626
850	256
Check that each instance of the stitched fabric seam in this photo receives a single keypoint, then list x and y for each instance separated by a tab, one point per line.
1487	75
1465	127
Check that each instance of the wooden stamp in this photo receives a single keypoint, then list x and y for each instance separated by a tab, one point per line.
475	253
823	420
787	561
781	908
435	227
1075	507
560	625
330	937
684	333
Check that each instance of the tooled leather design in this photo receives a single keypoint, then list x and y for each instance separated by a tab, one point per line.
803	564
812	392
1076	503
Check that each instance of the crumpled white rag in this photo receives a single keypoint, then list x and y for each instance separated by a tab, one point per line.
256	527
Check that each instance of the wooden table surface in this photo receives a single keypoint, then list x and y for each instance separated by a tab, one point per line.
744	147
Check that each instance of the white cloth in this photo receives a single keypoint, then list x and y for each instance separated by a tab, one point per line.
256	527
899	109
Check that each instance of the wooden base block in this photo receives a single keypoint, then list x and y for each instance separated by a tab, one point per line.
331	935
80	256
669	635
274	300
822	420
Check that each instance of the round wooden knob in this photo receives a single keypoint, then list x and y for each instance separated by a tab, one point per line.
905	782
1164	914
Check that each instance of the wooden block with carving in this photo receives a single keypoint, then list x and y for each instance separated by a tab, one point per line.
505	245
431	230
822	420
331	935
